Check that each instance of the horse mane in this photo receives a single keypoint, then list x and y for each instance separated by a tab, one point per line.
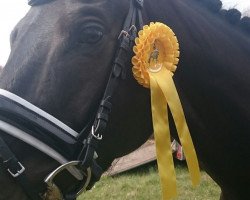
232	16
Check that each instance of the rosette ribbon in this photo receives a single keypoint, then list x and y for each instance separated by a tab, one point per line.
156	56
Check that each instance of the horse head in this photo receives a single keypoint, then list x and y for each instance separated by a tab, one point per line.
61	61
62	53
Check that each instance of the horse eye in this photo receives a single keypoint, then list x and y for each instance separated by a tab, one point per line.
91	35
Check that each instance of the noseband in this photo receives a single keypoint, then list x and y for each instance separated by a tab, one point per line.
82	165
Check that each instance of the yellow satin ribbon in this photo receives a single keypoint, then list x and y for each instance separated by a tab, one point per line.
155	61
163	93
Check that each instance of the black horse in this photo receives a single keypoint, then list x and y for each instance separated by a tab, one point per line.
62	53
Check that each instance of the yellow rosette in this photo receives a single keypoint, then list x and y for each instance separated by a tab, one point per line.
156	56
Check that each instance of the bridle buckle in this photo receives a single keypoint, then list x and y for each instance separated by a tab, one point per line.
19	172
97	136
127	34
123	33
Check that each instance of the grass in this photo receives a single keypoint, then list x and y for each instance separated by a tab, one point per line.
143	184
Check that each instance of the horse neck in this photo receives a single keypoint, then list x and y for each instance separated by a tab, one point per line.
212	78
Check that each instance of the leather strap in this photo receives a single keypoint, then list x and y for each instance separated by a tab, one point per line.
87	154
16	170
126	42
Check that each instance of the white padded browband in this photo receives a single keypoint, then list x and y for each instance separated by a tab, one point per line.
37	110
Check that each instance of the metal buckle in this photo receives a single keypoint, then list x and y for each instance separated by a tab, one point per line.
130	33
133	28
49	179
123	33
98	136
19	172
126	33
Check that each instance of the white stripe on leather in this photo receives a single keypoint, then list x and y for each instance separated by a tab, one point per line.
37	110
25	137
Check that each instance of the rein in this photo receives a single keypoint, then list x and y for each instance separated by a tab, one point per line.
84	162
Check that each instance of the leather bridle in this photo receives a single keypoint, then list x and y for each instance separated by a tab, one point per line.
86	159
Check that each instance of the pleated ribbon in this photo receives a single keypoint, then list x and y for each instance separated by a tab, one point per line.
155	70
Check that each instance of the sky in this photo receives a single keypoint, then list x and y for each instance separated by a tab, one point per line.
11	11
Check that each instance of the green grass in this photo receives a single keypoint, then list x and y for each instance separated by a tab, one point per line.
143	184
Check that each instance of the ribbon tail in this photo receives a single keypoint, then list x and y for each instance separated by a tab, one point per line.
163	141
165	81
